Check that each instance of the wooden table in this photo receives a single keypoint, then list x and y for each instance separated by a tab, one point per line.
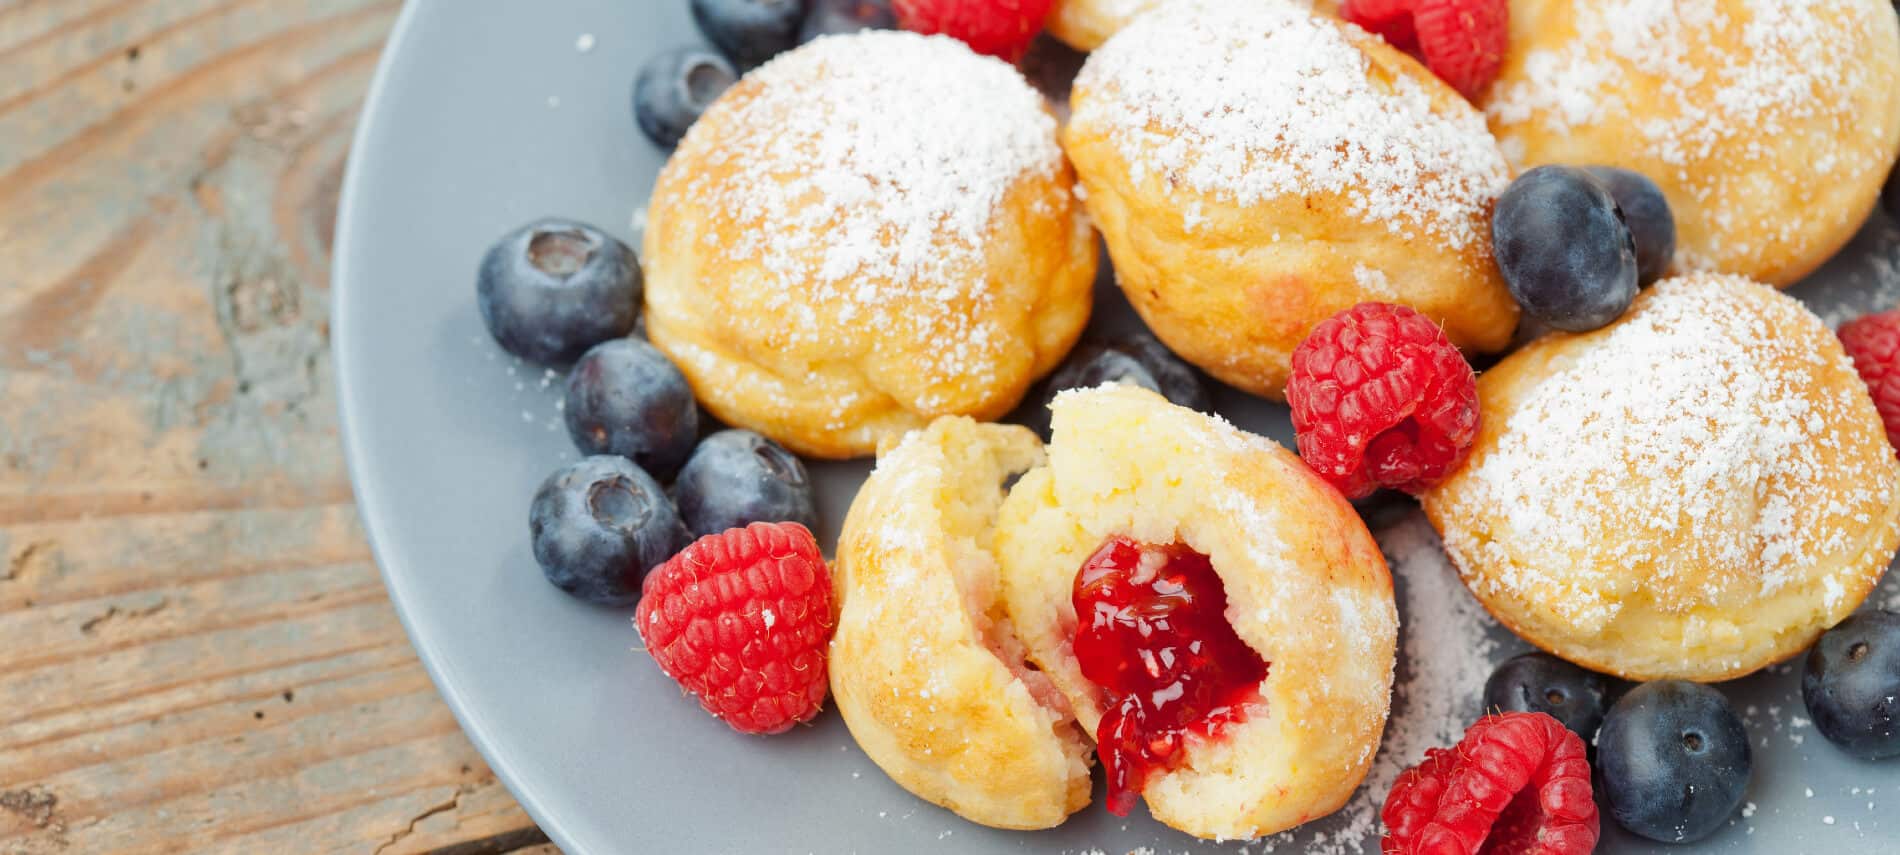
196	652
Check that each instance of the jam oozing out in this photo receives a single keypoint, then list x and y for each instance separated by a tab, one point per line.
1151	632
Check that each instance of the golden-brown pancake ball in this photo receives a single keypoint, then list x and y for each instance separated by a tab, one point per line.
930	681
1770	125
868	232
1255	169
1307	591
1696	491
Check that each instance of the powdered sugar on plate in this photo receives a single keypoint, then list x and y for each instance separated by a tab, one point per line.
1862	279
1249	101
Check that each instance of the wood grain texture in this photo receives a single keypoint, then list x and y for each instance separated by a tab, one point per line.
196	653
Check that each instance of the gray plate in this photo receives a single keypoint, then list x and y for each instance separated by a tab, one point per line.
487	114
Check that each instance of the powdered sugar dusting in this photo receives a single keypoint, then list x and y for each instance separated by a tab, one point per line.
865	171
1248	100
1786	66
1676	423
1662	71
1373	283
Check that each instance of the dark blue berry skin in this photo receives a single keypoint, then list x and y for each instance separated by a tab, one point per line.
599	525
830	17
750	31
624	397
1137	358
736	478
553	288
674	88
1890	195
1852	685
1563	249
1646	213
1540	682
1673	759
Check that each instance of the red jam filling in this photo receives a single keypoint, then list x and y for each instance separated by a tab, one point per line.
1152	633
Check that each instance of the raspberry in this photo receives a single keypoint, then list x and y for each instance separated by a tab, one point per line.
1461	41
1517	784
1000	28
741	620
1381	398
1873	342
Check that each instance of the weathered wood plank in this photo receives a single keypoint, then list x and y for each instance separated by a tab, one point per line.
49	22
74	559
200	710
199	656
95	628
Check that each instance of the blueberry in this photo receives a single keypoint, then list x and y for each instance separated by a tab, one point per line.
599	525
674	88
1137	358
1540	682
1563	249
1852	685
828	17
737	477
553	288
1890	195
1674	760
750	31
625	398
1646	214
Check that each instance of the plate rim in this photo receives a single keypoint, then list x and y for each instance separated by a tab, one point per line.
343	272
